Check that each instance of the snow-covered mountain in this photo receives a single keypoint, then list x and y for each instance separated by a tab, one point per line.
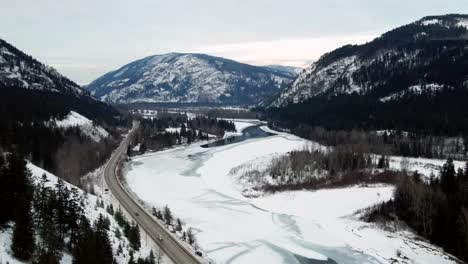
42	92
46	116
412	55
189	78
288	70
22	71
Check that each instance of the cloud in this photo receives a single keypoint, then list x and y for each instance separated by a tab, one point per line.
293	52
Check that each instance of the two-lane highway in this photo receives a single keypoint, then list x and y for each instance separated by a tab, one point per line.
173	248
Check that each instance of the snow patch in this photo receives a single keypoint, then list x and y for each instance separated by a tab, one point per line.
73	119
462	23
431	22
430	89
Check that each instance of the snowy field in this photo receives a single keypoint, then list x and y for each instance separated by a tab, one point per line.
289	227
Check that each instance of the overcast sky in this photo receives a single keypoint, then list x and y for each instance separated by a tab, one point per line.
84	39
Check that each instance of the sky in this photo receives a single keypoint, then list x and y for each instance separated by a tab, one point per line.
84	39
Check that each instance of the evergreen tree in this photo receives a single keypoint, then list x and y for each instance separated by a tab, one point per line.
93	245
178	225
447	177
44	256
110	209
167	215
119	218
134	236
151	258
190	237
132	259
23	233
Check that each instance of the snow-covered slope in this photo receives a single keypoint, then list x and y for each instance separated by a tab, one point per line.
22	71
405	57
86	126
189	78
41	92
430	89
91	210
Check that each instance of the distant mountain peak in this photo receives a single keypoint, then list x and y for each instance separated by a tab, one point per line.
189	78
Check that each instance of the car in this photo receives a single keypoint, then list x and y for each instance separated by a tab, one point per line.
198	253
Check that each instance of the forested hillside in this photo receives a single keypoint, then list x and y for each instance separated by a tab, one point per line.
412	78
37	106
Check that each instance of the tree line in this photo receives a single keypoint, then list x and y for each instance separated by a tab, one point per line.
386	142
49	219
340	166
66	152
153	135
436	209
54	215
175	224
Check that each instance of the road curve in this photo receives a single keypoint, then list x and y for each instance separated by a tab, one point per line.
171	246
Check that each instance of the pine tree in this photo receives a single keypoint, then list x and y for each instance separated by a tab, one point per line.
74	213
117	232
132	259
167	215
151	258
134	236
119	218
448	177
190	237
44	256
23	233
21	192
14	184
104	248
178	225
110	209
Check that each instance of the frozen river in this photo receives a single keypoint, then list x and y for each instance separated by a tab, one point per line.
291	227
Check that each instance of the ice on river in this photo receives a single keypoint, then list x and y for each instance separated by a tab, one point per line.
289	227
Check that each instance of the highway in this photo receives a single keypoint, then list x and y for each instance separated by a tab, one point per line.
171	246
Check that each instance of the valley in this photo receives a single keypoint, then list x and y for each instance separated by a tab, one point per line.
291	227
233	132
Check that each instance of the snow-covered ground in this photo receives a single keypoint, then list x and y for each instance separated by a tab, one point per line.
73	119
288	227
92	212
424	166
240	124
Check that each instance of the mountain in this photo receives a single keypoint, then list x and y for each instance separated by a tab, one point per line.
189	78
414	77
414	52
288	70
49	118
33	91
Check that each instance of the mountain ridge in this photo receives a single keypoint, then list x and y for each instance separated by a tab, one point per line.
412	78
344	69
188	78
